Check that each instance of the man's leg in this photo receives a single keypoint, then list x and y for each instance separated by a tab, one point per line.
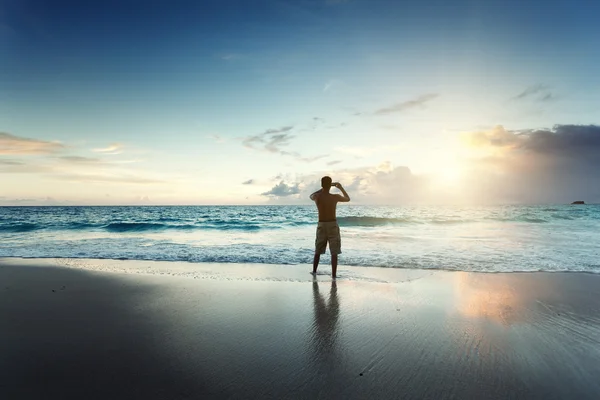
334	258
316	261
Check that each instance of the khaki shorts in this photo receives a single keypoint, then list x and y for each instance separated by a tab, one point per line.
328	232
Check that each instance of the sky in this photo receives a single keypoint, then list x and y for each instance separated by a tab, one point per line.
252	102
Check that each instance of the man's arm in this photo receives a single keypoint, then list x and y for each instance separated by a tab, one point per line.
345	197
314	195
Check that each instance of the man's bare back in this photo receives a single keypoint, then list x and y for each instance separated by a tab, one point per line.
326	205
327	202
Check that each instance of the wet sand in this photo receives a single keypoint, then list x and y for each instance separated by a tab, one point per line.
99	329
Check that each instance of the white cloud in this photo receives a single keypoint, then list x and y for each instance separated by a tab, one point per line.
282	190
11	144
113	148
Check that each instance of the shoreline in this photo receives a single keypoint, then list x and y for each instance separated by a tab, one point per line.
134	266
87	329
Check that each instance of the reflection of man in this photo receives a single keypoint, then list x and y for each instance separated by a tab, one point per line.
328	230
326	318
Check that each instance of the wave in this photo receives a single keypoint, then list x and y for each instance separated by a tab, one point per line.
372	221
378	221
18	228
268	258
143	226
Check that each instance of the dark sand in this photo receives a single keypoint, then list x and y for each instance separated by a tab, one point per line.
88	330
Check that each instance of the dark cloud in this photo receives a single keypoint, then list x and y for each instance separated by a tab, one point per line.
11	144
565	140
248	182
282	190
571	140
400	107
537	165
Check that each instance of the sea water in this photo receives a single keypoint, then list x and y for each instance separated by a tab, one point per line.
486	239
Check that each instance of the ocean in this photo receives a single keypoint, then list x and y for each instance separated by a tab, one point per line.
485	239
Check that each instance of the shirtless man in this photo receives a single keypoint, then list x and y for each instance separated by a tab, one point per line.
328	229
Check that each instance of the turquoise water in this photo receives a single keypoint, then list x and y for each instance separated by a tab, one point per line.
488	239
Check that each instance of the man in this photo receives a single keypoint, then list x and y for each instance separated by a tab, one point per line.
328	230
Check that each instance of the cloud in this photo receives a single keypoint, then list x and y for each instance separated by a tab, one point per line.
564	140
311	159
547	97
270	140
535	165
16	201
360	152
230	56
79	160
248	182
380	184
10	162
217	138
92	161
19	167
98	178
282	190
539	92
498	166
496	137
280	130
11	144
407	105
334	162
113	148
334	86
274	141
530	91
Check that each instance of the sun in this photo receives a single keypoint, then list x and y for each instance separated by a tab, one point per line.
450	175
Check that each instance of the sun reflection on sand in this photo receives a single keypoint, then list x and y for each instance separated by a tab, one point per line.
500	298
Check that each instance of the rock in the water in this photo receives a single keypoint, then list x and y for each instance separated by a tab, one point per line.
578	202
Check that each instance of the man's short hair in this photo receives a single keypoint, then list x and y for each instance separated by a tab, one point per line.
325	181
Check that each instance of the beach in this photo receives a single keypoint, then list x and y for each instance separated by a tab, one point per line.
98	329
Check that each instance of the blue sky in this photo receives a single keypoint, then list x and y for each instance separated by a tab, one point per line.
227	102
